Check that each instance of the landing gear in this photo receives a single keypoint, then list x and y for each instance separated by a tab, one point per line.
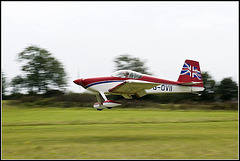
106	104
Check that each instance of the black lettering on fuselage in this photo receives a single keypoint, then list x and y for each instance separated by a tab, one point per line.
163	87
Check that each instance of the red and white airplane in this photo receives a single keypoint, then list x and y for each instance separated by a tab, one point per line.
128	83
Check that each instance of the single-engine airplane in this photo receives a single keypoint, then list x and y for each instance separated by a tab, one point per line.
128	83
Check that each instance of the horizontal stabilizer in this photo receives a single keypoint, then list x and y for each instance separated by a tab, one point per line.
189	83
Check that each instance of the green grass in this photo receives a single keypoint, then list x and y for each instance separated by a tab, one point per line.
85	133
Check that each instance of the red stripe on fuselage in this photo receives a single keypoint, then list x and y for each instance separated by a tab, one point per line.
88	81
156	80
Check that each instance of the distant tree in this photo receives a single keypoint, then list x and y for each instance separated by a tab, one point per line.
228	89
17	83
4	84
42	72
127	62
210	87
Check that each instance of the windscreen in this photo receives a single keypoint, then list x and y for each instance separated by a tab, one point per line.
127	74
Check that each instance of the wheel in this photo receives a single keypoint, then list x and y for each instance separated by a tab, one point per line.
99	109
109	107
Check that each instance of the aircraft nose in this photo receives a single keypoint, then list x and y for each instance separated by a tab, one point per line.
78	81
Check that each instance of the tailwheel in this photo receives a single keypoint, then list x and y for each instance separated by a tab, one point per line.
109	107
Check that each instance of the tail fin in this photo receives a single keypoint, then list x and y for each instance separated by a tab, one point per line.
191	74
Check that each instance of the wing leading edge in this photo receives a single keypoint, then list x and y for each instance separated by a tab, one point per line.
133	87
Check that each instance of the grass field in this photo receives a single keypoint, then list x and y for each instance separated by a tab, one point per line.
119	133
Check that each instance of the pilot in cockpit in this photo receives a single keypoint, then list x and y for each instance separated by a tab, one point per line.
126	74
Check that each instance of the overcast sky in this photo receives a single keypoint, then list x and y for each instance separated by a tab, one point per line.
87	36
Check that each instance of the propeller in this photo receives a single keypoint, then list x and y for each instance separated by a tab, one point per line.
77	81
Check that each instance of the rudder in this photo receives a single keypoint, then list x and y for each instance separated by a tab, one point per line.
191	73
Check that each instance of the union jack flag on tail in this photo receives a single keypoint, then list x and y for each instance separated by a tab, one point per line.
191	73
196	73
186	70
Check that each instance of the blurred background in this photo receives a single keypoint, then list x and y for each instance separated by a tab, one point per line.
47	45
86	37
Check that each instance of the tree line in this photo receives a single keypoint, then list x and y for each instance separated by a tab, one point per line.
42	74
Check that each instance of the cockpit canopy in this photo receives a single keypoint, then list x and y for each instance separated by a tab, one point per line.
127	74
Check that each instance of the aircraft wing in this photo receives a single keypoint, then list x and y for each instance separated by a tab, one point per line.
130	87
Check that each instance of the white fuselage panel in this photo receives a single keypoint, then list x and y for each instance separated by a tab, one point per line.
163	88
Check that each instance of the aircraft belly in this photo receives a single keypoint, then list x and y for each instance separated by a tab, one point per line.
87	91
163	88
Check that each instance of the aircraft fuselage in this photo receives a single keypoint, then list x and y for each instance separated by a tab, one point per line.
93	85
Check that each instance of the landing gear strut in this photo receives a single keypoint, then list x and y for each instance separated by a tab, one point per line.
106	104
